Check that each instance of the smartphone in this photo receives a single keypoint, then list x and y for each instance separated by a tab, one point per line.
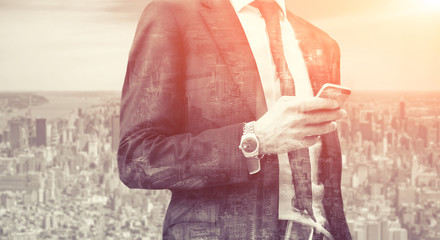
333	91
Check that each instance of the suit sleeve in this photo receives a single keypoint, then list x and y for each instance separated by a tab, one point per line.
154	152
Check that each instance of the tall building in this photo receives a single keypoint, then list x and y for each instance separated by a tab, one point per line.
366	130
384	230
41	132
373	230
18	137
385	145
115	132
92	147
437	131
79	125
402	117
402	110
423	134
54	134
368	116
399	234
7	200
6	135
14	131
359	234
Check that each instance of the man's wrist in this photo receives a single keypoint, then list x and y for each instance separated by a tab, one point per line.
249	146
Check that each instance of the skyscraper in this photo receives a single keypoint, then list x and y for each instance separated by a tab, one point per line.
399	234
54	134
373	230
41	132
402	110
437	131
423	134
18	135
366	130
384	230
115	132
402	117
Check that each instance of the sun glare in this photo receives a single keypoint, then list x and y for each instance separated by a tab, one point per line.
430	4
421	6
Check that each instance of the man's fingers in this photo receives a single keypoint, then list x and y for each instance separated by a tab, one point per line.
319	129
308	104
324	116
315	103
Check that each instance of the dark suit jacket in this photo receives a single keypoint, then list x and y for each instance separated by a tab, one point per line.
191	82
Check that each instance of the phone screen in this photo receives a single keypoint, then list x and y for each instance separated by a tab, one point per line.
339	93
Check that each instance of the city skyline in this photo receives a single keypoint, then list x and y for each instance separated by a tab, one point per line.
84	45
62	69
59	172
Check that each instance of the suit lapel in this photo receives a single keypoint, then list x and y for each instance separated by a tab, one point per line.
224	25
319	65
312	50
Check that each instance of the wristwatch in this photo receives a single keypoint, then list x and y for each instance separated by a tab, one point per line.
250	146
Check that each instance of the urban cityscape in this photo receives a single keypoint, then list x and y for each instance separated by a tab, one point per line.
59	176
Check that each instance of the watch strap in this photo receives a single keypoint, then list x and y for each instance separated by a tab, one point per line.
253	165
248	128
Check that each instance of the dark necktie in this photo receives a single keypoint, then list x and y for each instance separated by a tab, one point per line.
299	160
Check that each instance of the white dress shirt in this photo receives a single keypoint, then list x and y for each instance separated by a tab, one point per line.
254	27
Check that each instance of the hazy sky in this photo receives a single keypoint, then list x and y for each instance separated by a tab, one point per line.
84	44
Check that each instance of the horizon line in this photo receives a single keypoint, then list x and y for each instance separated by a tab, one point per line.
119	91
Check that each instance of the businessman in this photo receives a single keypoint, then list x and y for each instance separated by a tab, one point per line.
218	106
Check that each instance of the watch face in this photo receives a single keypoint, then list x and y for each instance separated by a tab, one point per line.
249	145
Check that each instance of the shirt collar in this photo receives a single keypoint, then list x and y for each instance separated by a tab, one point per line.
240	4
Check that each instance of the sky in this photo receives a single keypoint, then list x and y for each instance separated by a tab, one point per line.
53	45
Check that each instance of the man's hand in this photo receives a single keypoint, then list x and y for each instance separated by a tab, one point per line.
294	123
